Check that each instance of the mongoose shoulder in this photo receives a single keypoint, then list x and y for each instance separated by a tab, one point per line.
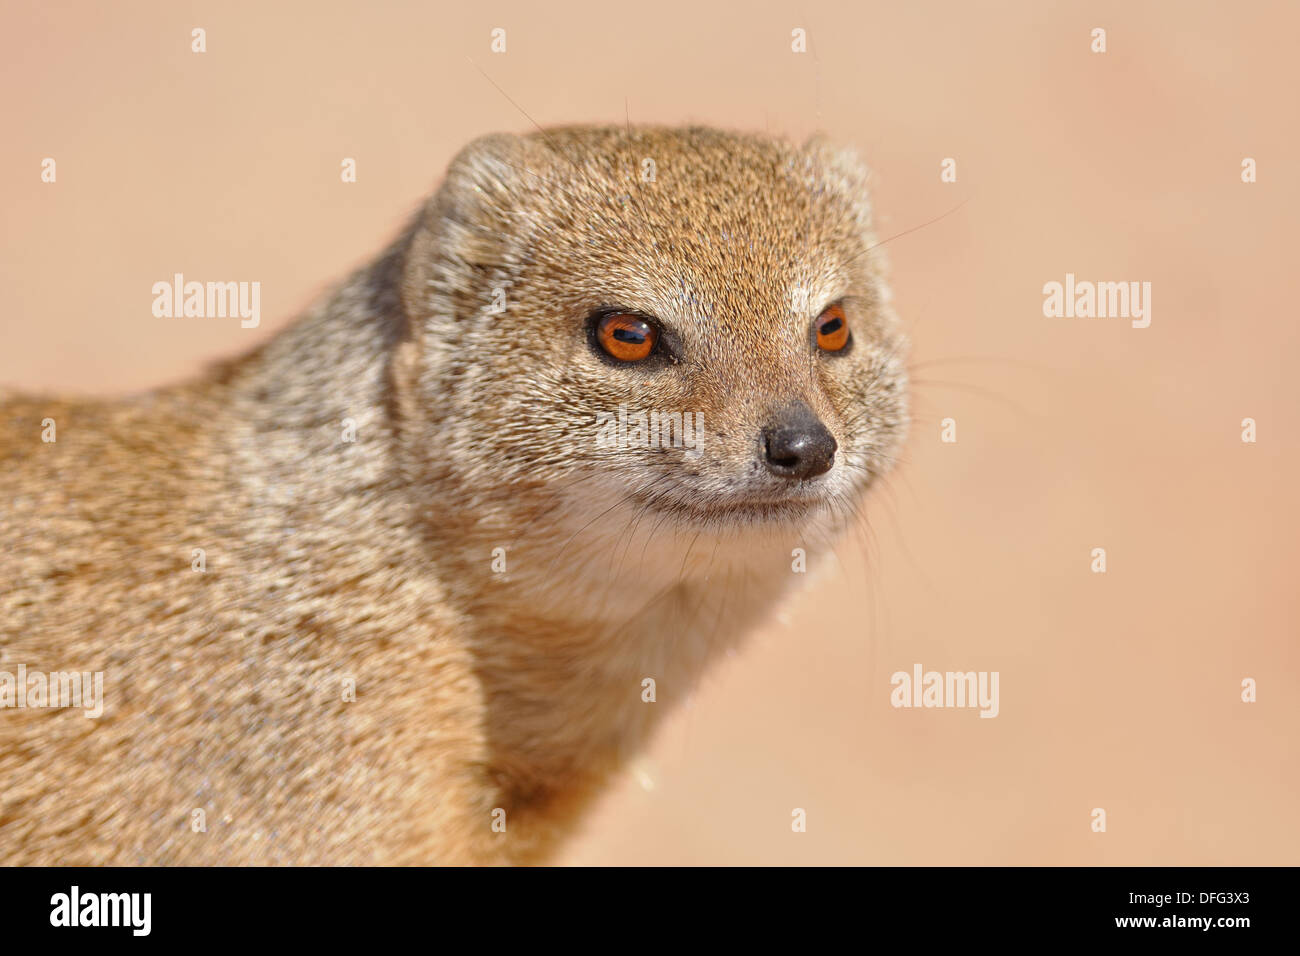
389	588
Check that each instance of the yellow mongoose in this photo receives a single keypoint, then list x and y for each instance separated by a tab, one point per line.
405	584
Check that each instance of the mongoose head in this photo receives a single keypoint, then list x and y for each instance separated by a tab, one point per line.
684	322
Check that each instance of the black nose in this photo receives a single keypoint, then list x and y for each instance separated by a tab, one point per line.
797	445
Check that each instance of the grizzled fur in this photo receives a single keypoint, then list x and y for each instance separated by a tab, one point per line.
510	684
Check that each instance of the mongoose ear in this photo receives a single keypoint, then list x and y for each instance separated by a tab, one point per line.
845	172
844	160
468	230
481	179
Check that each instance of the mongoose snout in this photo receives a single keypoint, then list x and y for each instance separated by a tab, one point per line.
797	446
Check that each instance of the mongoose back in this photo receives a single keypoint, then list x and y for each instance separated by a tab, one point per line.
408	582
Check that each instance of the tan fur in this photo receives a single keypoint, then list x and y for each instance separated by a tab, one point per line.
329	560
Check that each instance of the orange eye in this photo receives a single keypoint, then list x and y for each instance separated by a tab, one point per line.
832	329
625	337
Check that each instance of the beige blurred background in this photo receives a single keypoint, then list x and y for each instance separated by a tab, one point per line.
1119	691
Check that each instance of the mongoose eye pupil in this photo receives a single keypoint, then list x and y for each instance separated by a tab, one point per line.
626	337
832	329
